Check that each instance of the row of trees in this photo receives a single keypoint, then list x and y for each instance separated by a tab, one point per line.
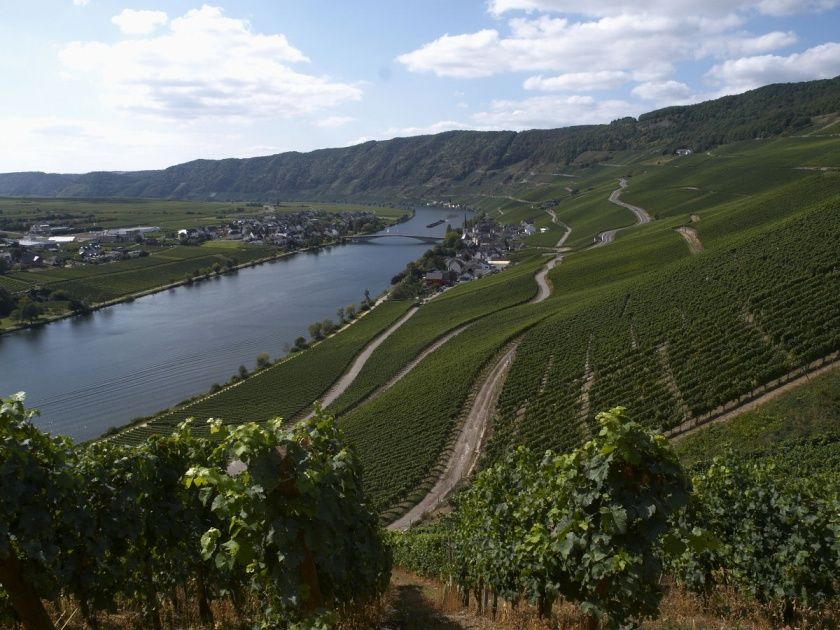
272	519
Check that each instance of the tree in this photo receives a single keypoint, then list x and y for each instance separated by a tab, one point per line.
27	310
263	360
350	311
316	331
7	302
243	371
340	314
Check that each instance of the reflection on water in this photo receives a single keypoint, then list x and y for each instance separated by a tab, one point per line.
94	371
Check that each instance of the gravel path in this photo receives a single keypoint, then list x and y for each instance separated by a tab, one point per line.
468	445
350	375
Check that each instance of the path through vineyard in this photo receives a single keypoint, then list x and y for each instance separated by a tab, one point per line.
606	237
415	604
691	238
467	445
542	276
350	375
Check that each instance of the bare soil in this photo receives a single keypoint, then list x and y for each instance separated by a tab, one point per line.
691	238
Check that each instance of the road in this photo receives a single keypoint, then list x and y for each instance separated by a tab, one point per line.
606	237
691	238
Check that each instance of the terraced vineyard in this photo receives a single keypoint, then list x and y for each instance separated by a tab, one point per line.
681	343
455	308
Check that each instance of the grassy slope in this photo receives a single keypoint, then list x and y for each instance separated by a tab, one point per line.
799	432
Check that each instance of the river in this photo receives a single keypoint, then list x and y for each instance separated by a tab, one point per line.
86	374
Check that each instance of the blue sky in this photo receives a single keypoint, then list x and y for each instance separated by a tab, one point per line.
112	85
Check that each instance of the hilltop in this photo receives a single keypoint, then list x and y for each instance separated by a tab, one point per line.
452	162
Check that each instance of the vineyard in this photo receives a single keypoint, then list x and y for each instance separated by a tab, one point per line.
602	525
684	343
458	306
271	520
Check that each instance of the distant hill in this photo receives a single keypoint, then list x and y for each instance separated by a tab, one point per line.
423	166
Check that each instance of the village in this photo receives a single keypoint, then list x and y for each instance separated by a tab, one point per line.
45	245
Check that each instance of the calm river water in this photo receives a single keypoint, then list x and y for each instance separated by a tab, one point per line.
86	374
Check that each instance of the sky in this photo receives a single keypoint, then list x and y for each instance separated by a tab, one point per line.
142	84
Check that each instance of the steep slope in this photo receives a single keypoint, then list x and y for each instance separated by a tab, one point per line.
423	166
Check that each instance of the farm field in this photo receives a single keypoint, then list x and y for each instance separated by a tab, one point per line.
100	283
17	213
456	307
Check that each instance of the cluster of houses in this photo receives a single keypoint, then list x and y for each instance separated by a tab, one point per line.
287	230
485	247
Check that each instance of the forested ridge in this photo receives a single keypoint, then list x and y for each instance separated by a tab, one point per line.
444	163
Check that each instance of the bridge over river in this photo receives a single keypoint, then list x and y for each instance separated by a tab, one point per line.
364	238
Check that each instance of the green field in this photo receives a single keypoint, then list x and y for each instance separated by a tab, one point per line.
799	432
16	214
100	283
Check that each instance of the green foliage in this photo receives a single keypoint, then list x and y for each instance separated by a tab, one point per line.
584	526
296	509
780	543
114	526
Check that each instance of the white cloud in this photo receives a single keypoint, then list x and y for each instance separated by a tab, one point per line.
578	81
133	22
80	3
644	45
206	65
552	111
738	75
671	7
331	122
665	92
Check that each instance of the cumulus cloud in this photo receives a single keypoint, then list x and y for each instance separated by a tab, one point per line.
625	43
133	22
578	81
738	75
206	65
552	111
665	92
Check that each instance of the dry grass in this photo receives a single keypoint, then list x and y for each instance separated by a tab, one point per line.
679	610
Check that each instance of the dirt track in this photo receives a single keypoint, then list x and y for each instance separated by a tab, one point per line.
468	445
350	375
542	274
692	238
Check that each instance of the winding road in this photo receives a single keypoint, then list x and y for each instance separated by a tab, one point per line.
606	237
542	275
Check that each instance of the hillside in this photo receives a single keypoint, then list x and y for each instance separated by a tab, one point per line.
454	162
